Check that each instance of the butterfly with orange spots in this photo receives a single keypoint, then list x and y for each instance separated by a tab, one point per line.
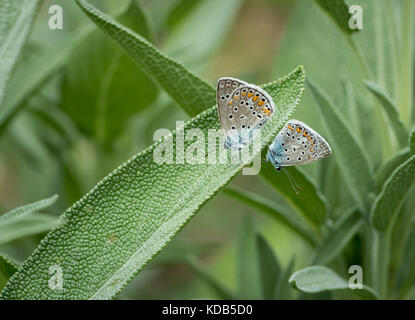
295	144
242	107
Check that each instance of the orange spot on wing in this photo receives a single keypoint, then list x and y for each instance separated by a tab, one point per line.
261	103
309	138
267	111
254	98
230	103
311	149
291	128
298	130
243	94
305	134
236	97
250	94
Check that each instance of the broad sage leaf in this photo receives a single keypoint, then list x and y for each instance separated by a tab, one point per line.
394	190
316	279
111	233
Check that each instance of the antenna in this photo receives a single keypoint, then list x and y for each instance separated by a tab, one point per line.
294	184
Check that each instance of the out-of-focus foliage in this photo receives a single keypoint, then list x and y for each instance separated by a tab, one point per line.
77	102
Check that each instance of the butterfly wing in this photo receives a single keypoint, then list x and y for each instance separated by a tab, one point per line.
226	86
297	144
242	106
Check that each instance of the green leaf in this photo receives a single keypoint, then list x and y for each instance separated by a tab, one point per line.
178	82
269	267
247	267
339	12
316	279
7	268
390	109
23	211
275	211
353	162
103	87
385	171
310	202
221	291
338	237
26	226
393	193
16	20
111	233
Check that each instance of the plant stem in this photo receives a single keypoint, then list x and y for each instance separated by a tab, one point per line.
380	261
406	68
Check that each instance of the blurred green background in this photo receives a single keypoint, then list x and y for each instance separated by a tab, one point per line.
97	109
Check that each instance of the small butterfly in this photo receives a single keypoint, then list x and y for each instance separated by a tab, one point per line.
242	107
296	144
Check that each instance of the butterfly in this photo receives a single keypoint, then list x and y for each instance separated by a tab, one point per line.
297	143
242	107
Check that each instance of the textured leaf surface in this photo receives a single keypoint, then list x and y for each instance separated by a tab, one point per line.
316	279
393	193
357	172
178	82
310	202
391	111
120	225
16	19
